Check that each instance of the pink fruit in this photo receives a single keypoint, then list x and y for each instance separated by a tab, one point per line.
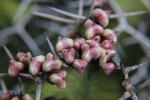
64	43
106	44
102	16
79	65
69	55
110	35
79	42
36	64
15	67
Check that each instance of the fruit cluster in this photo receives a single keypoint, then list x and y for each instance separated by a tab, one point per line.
37	64
99	44
7	96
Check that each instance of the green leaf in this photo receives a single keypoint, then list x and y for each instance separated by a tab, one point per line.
98	87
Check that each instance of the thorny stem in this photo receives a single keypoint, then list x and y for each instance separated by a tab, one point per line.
137	66
39	86
143	85
8	52
53	50
21	85
56	18
3	85
91	8
80	11
51	46
127	84
112	16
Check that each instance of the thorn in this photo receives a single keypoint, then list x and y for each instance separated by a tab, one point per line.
8	52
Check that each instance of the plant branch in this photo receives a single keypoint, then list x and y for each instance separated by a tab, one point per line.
56	18
21	85
38	89
3	85
20	75
137	66
91	8
80	11
112	16
8	52
143	85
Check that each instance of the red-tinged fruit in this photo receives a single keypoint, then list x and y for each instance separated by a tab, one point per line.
102	16
62	74
92	43
106	56
96	38
5	96
36	64
79	42
15	98
93	31
109	68
49	56
24	57
59	79
64	43
69	55
89	23
61	84
79	65
85	46
50	65
110	35
15	67
106	44
96	52
27	96
87	55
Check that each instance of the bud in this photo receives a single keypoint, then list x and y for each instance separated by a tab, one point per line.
106	56
79	42
106	44
61	84
15	67
87	55
92	31
62	74
35	64
15	98
102	16
68	55
79	65
96	52
109	68
50	65
64	43
85	46
92	43
96	38
110	35
97	3
27	96
89	23
49	56
59	79
24	57
5	96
